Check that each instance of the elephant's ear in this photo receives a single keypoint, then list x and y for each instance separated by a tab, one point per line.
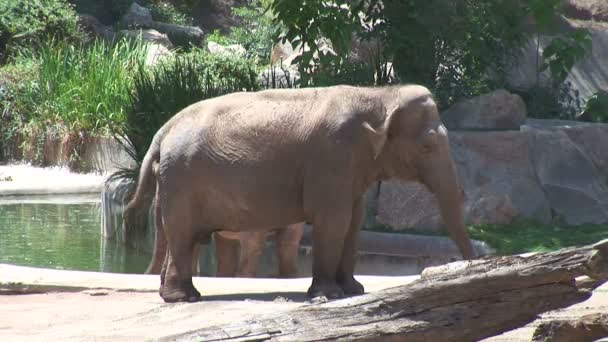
378	136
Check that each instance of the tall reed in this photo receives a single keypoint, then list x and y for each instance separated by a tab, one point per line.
86	87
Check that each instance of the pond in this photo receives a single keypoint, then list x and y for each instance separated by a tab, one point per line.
62	233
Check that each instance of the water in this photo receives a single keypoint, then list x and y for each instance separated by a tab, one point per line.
62	233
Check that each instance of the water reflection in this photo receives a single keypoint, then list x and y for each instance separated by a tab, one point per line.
62	236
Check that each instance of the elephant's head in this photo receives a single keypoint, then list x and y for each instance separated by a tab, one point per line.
411	143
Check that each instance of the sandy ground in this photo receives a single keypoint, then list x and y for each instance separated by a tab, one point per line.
92	306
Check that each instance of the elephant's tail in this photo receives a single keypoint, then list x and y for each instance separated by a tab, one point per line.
146	181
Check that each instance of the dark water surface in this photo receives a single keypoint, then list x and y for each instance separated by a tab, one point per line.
62	233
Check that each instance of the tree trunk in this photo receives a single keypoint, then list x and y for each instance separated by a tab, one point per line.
584	329
461	301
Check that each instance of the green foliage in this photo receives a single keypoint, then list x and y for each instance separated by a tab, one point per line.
451	55
561	54
529	236
83	88
174	84
523	236
24	23
167	12
255	32
306	23
217	37
597	107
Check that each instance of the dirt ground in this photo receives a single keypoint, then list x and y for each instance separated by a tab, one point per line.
92	306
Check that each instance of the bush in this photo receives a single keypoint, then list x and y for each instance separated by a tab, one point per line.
27	23
596	107
167	12
255	32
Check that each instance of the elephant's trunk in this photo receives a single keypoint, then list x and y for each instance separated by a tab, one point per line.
442	179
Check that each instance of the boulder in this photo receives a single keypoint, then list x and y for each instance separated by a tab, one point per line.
280	52
407	205
586	9
231	50
498	183
156	53
178	34
499	110
149	35
137	16
575	188
279	76
94	27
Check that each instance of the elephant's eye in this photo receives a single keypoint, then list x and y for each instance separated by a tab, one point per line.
427	148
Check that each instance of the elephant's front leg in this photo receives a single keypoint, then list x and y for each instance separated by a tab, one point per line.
329	232
346	270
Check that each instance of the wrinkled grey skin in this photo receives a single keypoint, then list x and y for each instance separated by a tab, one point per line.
277	157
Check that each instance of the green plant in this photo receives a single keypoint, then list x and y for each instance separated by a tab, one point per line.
217	37
561	54
168	12
597	107
84	88
306	24
530	236
256	31
26	23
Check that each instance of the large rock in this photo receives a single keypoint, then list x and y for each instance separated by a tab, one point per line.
280	53
586	9
149	35
499	110
137	16
178	34
575	188
95	28
498	182
231	50
279	76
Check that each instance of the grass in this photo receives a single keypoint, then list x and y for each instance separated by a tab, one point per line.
529	236
525	236
84	87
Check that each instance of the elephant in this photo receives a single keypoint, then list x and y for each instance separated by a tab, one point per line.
246	161
237	253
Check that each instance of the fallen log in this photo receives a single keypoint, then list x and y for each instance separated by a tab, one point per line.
461	301
587	328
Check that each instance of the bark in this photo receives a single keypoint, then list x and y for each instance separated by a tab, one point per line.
462	301
587	328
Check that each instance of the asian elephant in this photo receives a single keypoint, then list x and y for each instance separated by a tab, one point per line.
237	253
254	160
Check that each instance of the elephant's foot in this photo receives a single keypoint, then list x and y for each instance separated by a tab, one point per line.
184	293
331	290
351	286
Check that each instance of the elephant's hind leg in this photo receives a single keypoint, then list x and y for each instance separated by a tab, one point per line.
287	246
179	231
226	255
